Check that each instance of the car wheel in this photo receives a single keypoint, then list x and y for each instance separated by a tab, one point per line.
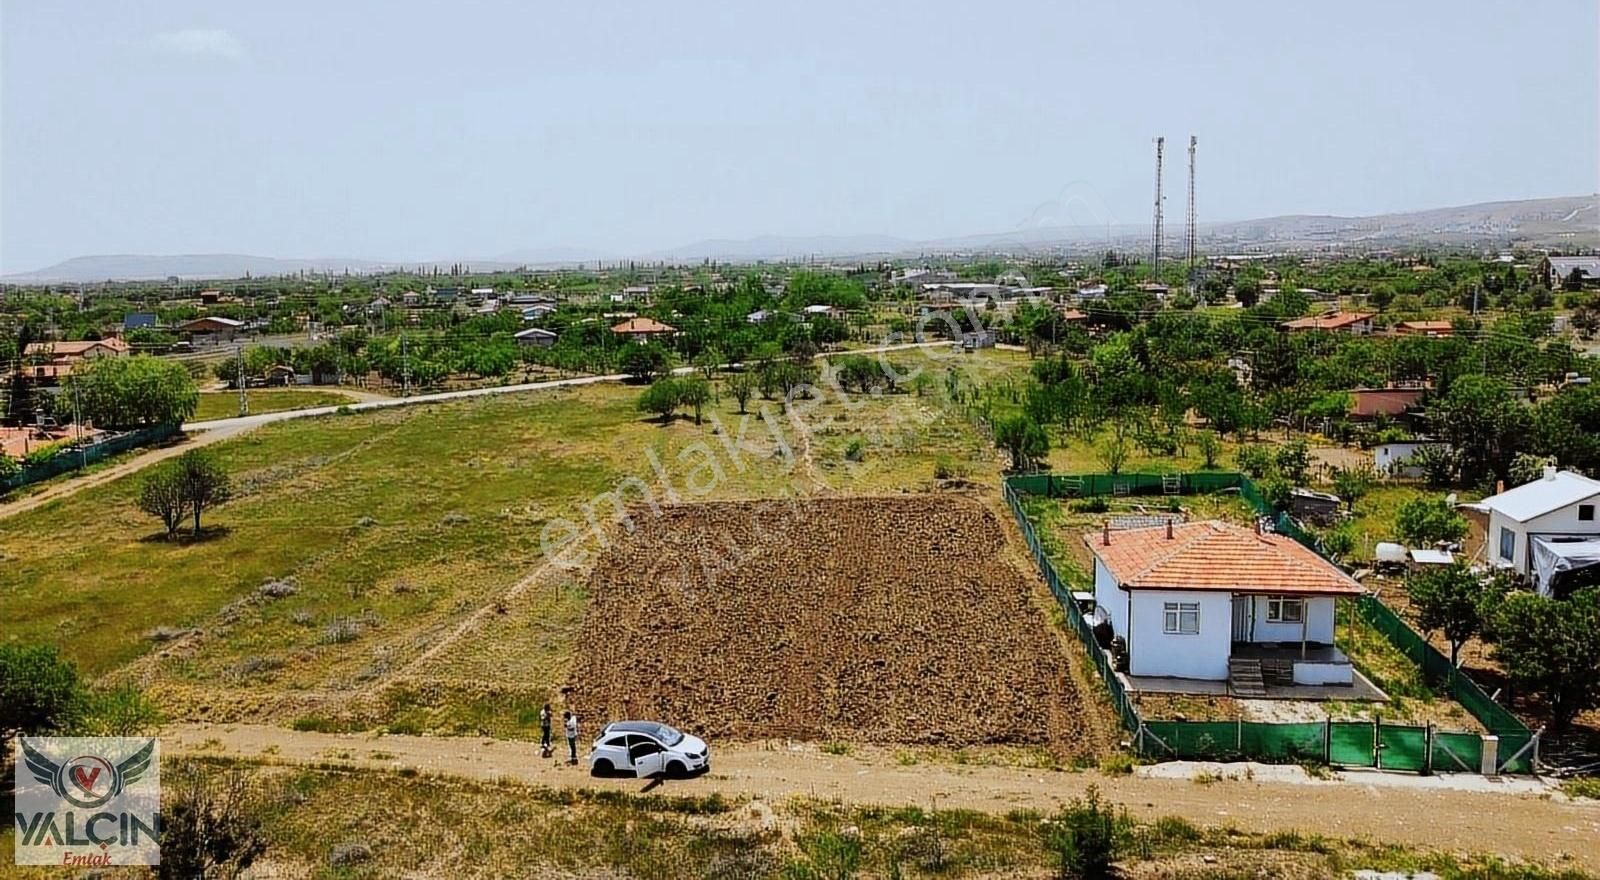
676	770
602	767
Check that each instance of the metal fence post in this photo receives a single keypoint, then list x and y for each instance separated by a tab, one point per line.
1377	741
1327	741
1427	750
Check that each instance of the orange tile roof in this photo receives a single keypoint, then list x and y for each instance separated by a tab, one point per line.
1444	327
1334	321
643	326
75	349
1215	555
1073	315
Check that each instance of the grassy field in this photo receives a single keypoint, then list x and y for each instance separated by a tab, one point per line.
429	827
225	404
394	529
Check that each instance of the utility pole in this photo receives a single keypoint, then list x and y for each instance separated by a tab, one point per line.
244	394
77	423
1190	234
1155	250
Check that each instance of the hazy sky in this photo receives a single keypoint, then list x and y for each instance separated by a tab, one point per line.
404	130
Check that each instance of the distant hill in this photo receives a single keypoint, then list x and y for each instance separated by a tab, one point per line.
1566	223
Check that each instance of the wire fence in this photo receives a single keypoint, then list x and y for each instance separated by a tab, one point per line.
1376	743
71	458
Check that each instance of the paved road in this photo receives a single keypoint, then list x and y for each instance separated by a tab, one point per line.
207	432
1515	817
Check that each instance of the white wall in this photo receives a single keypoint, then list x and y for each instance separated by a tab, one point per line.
1393	458
1323	673
1203	655
1556	523
1319	622
1111	598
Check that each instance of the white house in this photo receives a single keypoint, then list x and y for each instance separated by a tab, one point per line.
1219	602
1393	459
535	336
1542	519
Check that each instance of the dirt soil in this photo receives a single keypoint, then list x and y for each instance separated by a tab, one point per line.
869	619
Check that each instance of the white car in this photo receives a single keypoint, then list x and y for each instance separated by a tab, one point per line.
647	748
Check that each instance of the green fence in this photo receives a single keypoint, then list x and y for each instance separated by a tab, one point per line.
1341	743
73	458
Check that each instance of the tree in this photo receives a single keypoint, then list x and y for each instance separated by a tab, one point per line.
209	826
1448	598
1353	483
1527	467
130	392
644	361
40	692
1084	838
1482	423
707	363
163	496
205	483
1422	522
1023	439
1210	447
1293	461
1550	648
694	392
1113	452
661	398
741	387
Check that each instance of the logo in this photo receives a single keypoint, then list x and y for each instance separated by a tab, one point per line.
87	801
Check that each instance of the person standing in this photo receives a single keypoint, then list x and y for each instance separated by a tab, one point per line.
544	730
572	737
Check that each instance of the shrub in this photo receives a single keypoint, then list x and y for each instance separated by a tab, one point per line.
1255	461
856	450
1421	522
1083	837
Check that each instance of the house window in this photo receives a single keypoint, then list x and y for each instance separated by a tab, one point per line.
1586	513
1282	610
1180	618
1508	544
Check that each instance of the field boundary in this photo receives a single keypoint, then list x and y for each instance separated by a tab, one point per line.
1367	744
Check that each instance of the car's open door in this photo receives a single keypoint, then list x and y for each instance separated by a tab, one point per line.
648	758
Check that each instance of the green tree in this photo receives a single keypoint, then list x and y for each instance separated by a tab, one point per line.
1294	461
661	398
204	482
131	392
694	392
1448	598
741	387
707	362
644	361
1481	421
1210	447
1551	648
1422	522
1353	483
163	495
1023	439
40	692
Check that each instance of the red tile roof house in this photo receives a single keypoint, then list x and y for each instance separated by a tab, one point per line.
644	328
1354	323
1436	329
1218	602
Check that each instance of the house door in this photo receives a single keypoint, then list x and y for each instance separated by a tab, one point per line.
1241	618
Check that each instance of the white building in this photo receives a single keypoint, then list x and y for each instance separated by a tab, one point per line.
1219	602
1393	459
1542	519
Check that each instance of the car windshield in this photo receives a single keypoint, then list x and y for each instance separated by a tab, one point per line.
669	736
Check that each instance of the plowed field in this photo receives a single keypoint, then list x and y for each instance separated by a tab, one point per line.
874	619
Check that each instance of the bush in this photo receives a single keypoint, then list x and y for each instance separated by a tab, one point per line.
856	450
1255	461
1084	838
1422	522
209	824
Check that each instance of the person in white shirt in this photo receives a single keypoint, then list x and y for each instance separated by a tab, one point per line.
572	737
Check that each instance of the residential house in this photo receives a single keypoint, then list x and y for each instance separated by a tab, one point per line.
644	329
51	362
1093	291
210	297
1435	329
1536	526
537	312
535	336
824	311
1393	459
1219	602
1355	323
210	329
1073	316
1368	403
1554	271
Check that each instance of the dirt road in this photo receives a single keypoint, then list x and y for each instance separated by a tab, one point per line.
1514	818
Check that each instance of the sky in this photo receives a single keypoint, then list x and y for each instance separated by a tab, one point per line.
403	130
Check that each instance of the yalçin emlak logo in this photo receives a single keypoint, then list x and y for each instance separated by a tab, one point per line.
88	801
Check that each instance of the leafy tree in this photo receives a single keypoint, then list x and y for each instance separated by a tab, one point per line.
1550	648
1022	438
1113	452
1210	448
1255	461
1567	426
209	825
130	392
40	691
1448	598
741	387
1422	522
1482	423
164	496
661	398
694	392
1294	461
644	361
707	363
1527	467
1353	483
1438	464
204	482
